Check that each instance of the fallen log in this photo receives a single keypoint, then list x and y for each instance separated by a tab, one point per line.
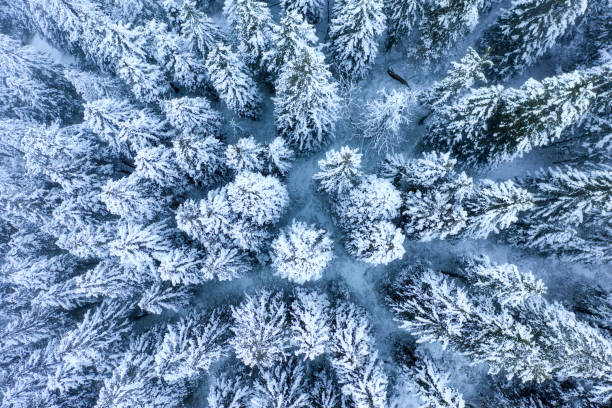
398	78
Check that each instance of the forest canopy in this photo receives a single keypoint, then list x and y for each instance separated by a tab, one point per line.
305	203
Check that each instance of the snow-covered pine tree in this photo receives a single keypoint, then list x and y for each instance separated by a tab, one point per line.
133	61
306	104
594	303
281	386
407	173
201	157
493	125
527	31
310	10
474	112
229	392
160	297
570	214
377	243
596	133
355	359
245	155
289	39
447	213
431	385
339	171
92	86
192	115
301	252
137	10
441	25
30	276
54	190
33	86
232	81
384	117
147	81
133	383
190	347
260	330
215	225
83	28
458	80
124	127
364	206
557	102
505	281
207	220
279	157
402	17
71	156
76	234
159	165
439	202
70	368
109	279
27	204
513	393
436	214
133	198
147	129
602	391
597	23
27	330
324	392
249	236
257	198
197	27
252	23
141	246
78	356
26	384
246	235
14	18
229	11
354	30
173	52
571	195
494	207
589	244
310	323
182	266
373	199
546	343
224	263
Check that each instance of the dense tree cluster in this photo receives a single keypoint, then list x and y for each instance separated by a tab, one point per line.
493	125
503	321
439	202
570	216
229	203
365	206
527	30
279	340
